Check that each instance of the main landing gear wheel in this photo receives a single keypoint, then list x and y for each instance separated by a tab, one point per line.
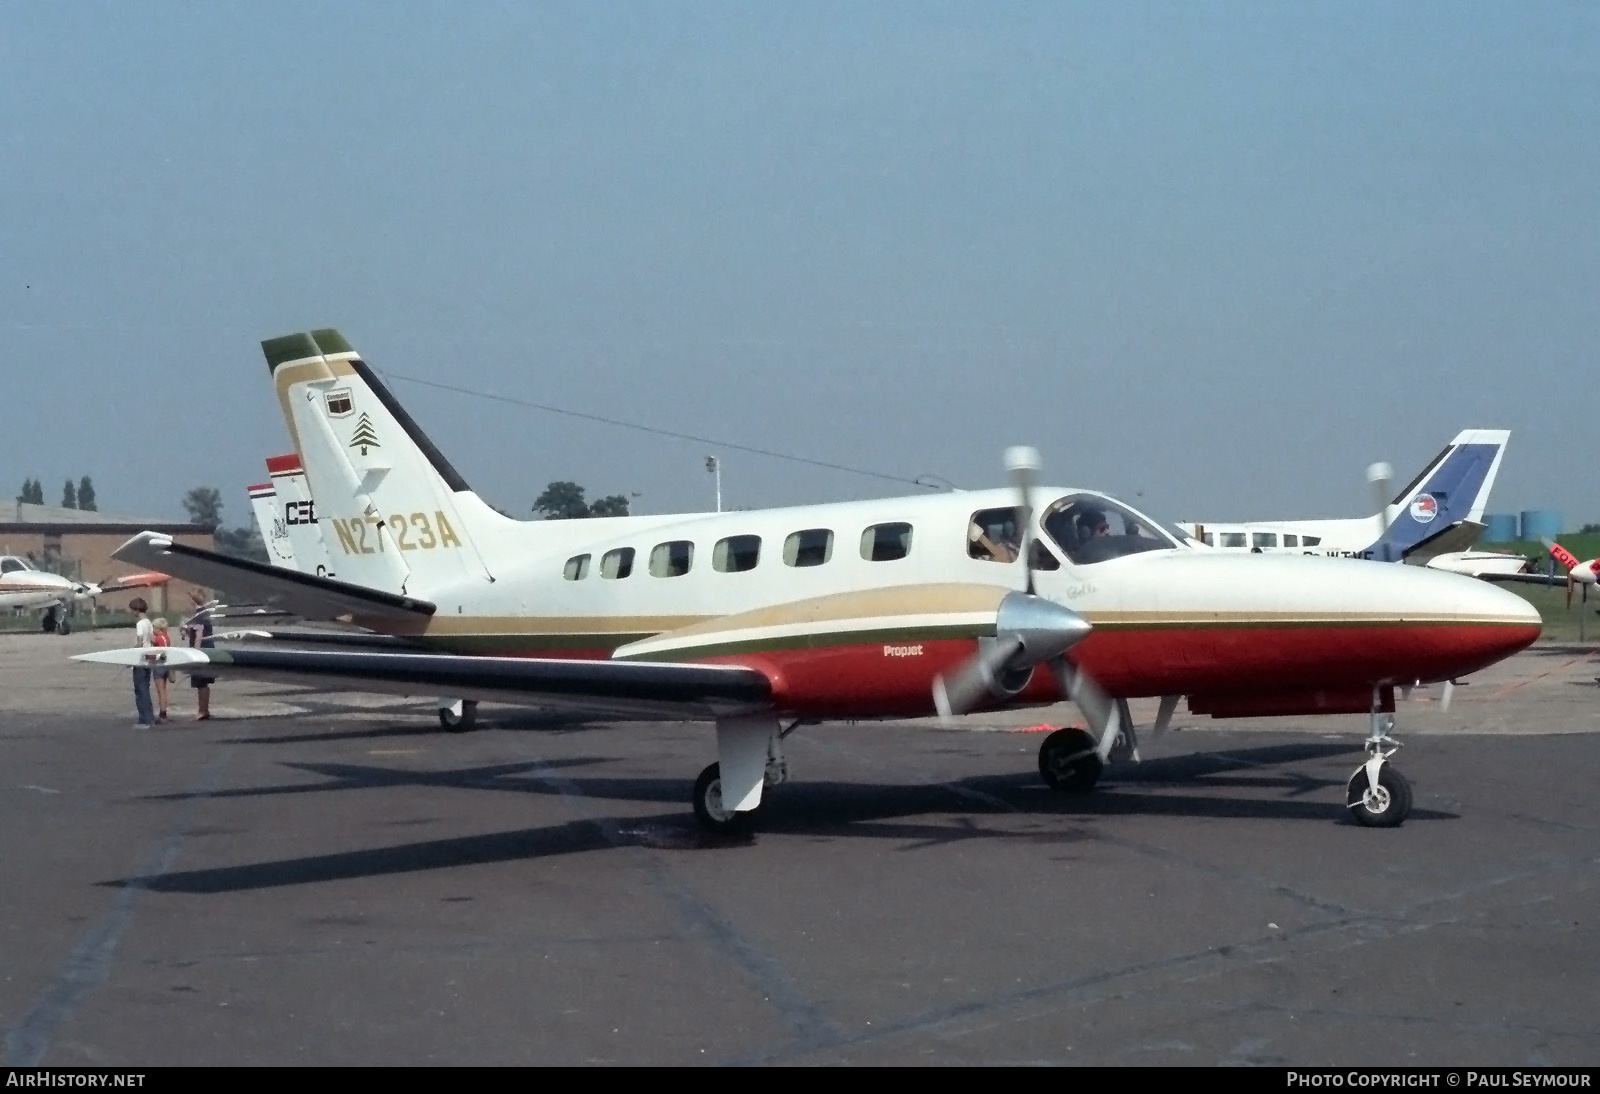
1068	761
464	722
1383	806
710	812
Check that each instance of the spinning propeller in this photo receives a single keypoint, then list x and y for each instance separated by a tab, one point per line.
1029	630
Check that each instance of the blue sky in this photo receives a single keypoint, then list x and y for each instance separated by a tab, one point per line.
1216	258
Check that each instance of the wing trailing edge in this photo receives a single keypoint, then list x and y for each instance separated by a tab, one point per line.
617	688
305	595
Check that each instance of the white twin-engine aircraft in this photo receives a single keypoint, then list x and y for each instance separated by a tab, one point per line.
1431	522
764	620
23	585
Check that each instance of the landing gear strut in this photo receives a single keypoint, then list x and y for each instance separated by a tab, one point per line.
1378	795
752	748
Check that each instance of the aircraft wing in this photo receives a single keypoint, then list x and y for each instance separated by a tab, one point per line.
618	688
1528	579
306	595
1451	539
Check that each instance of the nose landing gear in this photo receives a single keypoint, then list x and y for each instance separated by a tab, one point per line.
1378	795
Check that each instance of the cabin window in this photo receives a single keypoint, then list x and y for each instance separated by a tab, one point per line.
1210	538
1290	540
577	568
886	542
671	559
812	547
1233	539
994	535
1310	541
736	554
617	564
1264	539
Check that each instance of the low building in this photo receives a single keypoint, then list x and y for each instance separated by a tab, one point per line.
78	544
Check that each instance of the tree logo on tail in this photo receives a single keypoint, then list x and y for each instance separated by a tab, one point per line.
1423	509
365	436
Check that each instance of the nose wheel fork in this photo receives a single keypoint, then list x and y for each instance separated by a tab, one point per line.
1378	795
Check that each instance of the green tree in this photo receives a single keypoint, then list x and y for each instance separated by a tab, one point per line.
86	494
204	505
561	501
69	496
241	543
564	501
614	506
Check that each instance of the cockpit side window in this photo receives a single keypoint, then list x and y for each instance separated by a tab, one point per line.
995	535
11	565
1090	528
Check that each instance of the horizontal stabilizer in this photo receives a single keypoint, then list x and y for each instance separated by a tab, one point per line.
1459	536
306	595
615	688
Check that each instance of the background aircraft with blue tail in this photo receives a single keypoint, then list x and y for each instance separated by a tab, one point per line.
1434	521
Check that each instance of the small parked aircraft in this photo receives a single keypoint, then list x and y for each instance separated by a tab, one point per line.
1433	521
942	603
24	585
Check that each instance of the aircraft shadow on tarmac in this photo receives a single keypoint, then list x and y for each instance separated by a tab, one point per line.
916	817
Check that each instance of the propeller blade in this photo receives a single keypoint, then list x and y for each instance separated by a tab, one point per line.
1569	592
1023	463
1446	694
1098	708
974	680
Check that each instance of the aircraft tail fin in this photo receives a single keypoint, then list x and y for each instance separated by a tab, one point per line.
1454	487
299	515
269	524
393	513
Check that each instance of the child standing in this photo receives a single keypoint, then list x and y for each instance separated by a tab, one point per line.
158	674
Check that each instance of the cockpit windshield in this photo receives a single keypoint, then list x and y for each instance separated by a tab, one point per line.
12	564
1092	528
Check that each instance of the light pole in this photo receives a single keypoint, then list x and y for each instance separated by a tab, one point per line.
714	466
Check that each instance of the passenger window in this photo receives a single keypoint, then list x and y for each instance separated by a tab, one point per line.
1290	541
812	547
1211	539
618	563
671	559
1310	541
886	542
577	568
1264	539
994	535
736	554
1233	539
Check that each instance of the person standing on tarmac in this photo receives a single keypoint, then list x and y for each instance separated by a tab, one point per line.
144	638
197	633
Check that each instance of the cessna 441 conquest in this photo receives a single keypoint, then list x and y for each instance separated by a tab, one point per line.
940	603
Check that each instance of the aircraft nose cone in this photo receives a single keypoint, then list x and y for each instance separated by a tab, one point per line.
1489	623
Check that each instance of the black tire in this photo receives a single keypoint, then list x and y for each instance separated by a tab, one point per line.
1388	807
708	808
466	723
1068	761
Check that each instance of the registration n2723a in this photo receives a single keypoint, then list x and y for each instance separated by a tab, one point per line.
410	532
